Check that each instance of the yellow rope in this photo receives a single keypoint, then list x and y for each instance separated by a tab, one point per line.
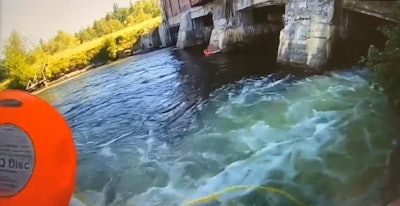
217	195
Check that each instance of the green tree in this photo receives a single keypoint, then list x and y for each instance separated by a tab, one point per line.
119	18
115	25
122	15
16	62
3	74
86	34
130	20
23	62
101	27
152	8
37	55
115	8
386	65
61	41
112	48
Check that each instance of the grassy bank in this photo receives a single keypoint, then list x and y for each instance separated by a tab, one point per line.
98	51
71	76
89	54
126	38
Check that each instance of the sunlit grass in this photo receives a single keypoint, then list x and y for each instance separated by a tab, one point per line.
145	27
64	61
4	84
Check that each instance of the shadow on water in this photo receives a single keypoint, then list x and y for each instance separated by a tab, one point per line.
199	75
204	74
211	72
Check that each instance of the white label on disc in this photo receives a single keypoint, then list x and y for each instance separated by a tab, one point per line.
17	159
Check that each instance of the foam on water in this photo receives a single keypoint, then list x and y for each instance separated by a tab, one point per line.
106	152
323	139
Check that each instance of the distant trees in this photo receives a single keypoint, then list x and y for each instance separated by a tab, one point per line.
112	48
68	52
60	42
86	34
3	74
16	64
120	18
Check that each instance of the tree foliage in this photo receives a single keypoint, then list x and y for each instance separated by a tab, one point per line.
60	42
386	65
103	41
3	74
112	48
16	64
119	18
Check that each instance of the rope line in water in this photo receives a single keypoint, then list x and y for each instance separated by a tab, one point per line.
217	195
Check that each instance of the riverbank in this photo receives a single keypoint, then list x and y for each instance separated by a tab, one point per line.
61	80
76	74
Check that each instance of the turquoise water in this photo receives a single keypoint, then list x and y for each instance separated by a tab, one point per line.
154	136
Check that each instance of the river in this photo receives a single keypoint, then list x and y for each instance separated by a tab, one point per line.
171	126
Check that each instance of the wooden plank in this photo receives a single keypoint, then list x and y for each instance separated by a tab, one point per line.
167	8
175	7
185	5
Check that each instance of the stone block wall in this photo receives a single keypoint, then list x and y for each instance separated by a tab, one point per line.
308	33
192	31
235	26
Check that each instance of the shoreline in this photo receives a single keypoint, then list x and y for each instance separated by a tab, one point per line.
76	74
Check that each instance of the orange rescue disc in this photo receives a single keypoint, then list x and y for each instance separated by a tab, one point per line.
38	159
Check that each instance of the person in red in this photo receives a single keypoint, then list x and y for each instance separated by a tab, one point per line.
38	159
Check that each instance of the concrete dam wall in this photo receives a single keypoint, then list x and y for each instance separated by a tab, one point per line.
306	29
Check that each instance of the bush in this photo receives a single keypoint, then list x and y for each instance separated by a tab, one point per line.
386	65
111	47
